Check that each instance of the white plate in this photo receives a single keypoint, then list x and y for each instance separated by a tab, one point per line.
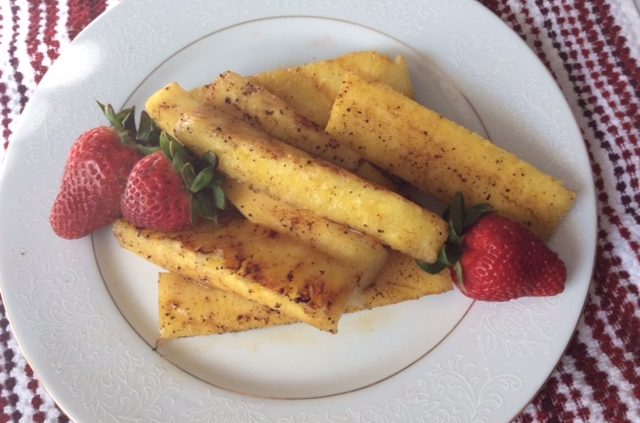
84	311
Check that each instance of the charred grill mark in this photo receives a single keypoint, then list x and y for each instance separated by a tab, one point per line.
249	89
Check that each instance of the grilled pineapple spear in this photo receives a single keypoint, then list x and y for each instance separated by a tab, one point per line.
249	101
397	278
254	262
312	88
240	97
441	157
190	309
294	177
362	251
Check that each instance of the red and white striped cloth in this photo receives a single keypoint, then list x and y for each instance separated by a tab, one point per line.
593	50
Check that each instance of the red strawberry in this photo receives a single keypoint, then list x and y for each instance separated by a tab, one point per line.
165	193
493	258
93	182
155	196
502	260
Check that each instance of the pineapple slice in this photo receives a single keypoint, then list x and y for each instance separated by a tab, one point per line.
400	280
312	88
441	157
362	251
252	103
294	177
255	262
191	309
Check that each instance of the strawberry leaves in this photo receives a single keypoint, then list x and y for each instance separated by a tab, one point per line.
459	220
493	258
200	177
98	175
144	137
148	131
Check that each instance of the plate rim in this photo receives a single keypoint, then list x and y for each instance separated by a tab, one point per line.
87	33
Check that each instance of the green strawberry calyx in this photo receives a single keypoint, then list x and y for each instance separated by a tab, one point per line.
143	137
459	220
200	176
